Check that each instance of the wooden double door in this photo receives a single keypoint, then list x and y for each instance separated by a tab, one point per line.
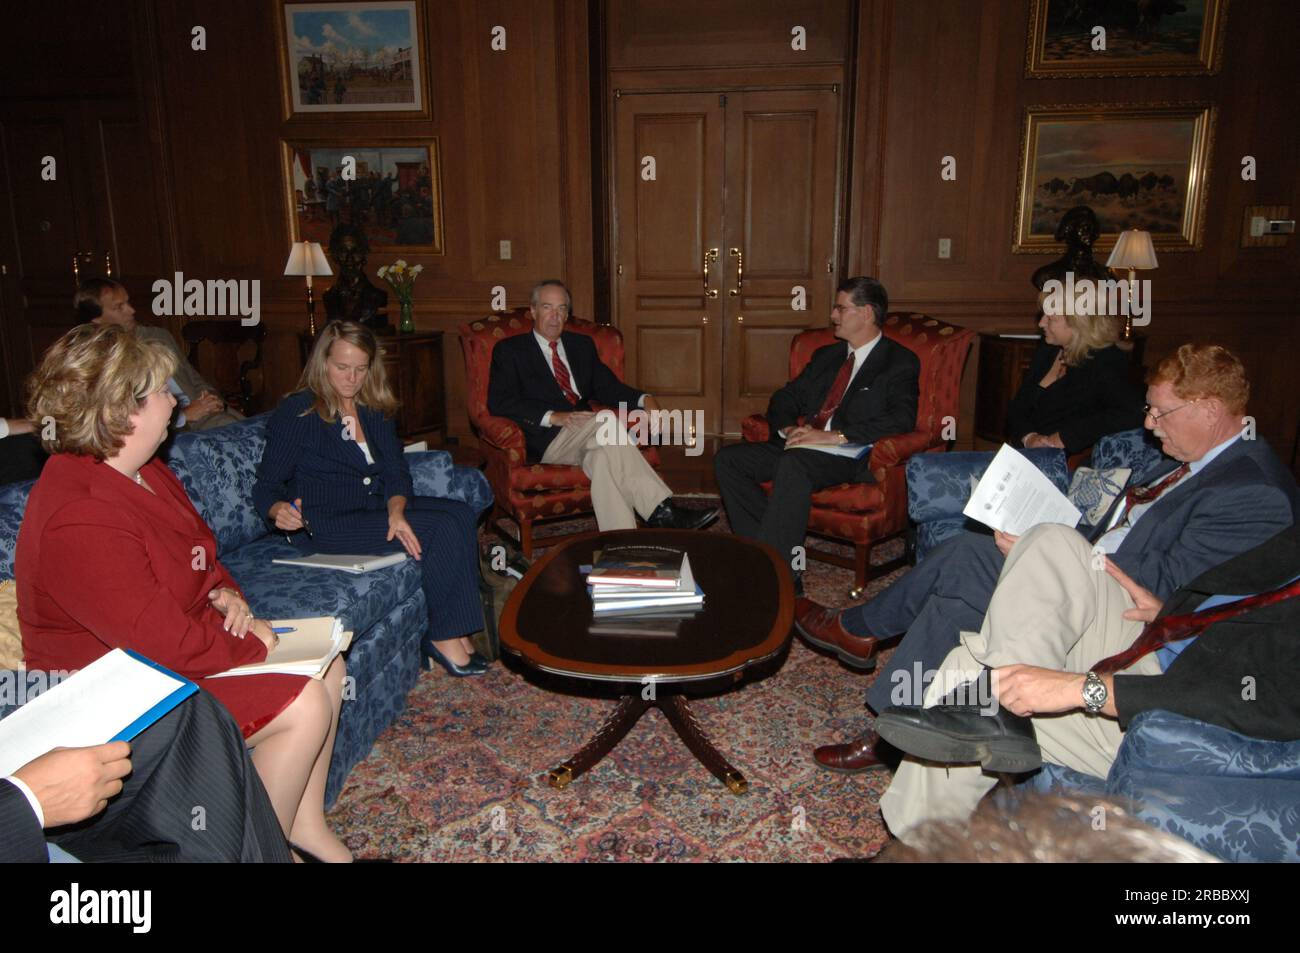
725	240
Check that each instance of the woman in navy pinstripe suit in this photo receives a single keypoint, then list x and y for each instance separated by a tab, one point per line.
333	455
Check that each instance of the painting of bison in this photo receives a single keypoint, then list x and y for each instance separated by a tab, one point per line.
1136	37
1135	166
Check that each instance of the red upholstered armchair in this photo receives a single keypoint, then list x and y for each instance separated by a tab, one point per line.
867	514
527	493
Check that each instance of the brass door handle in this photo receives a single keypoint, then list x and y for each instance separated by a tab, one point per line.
737	254
710	256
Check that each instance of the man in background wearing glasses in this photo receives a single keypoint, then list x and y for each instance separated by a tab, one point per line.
1222	495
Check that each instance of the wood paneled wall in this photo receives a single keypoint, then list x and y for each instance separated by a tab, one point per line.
930	78
513	131
940	78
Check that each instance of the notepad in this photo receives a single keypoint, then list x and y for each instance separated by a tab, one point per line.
308	650
354	565
114	698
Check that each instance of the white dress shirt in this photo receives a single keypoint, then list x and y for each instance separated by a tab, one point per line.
1120	526
545	345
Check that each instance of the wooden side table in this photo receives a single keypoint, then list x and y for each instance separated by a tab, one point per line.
413	365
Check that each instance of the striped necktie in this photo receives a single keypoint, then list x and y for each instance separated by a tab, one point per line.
562	374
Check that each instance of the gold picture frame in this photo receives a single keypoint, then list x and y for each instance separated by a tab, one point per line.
381	73
1137	166
1186	43
394	195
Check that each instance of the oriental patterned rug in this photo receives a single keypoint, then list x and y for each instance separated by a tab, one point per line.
461	775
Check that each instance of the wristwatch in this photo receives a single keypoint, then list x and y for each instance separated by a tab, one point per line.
1094	692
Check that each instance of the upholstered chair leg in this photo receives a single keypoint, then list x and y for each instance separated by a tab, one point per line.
861	556
526	536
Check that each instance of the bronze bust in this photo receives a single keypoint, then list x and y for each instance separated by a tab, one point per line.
353	297
1079	229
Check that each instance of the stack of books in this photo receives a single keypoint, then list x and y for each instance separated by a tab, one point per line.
643	581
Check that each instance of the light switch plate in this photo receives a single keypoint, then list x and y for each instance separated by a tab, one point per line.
945	248
505	250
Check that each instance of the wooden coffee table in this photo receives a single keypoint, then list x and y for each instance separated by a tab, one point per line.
746	619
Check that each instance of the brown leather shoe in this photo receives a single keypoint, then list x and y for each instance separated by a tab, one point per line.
821	627
858	755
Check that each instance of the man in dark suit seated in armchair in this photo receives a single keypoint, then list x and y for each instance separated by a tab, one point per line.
546	382
1225	491
855	392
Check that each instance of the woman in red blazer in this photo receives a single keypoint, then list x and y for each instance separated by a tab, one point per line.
112	553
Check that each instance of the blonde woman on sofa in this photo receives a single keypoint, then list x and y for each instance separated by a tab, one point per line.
112	554
333	471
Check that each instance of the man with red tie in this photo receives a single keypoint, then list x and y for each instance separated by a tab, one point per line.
545	382
1225	493
856	391
1089	651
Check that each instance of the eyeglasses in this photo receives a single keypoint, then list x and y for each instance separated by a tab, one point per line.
1146	409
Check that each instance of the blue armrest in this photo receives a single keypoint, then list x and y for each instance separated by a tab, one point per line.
1136	450
434	474
938	484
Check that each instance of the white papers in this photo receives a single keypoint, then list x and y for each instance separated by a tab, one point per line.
418	447
354	565
307	650
91	707
1014	495
854	451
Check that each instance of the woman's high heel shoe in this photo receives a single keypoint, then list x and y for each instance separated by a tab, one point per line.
431	655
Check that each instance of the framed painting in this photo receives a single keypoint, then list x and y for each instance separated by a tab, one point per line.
1125	38
1135	166
389	189
358	58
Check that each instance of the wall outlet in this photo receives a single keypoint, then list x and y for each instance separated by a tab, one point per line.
945	248
504	252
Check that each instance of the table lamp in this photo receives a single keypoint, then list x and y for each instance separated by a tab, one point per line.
1133	250
308	259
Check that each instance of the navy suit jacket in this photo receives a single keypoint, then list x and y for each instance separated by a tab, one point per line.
21	839
880	402
522	386
1242	498
309	458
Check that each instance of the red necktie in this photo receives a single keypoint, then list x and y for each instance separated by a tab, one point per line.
562	374
1175	628
1147	494
834	395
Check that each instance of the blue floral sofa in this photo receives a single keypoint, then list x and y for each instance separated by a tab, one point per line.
1235	797
384	609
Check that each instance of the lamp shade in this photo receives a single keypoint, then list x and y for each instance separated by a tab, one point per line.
307	258
1133	249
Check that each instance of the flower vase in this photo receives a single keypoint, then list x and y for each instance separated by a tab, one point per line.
408	320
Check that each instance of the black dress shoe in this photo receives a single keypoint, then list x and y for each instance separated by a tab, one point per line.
668	515
953	733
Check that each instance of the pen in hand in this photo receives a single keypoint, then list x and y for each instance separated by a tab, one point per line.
282	629
305	525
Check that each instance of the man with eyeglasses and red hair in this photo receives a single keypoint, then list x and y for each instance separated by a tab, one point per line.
1224	493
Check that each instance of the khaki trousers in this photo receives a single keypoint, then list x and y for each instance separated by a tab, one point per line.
1052	608
622	483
